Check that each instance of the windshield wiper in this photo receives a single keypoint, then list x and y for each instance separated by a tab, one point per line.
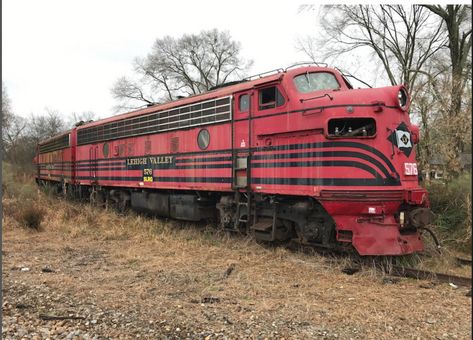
345	74
361	81
307	78
318	97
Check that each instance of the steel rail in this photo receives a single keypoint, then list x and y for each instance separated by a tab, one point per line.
463	261
428	275
395	270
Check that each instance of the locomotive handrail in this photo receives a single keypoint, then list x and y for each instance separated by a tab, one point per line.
307	63
277	70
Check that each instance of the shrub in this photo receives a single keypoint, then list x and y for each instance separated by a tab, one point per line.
31	215
18	184
451	204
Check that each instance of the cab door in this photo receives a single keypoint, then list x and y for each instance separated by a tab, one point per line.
241	140
93	150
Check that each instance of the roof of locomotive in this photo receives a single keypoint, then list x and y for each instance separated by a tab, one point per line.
212	94
44	141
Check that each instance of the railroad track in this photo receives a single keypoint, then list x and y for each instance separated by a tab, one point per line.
434	276
463	261
394	270
428	275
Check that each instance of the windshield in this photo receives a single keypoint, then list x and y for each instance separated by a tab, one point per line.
316	81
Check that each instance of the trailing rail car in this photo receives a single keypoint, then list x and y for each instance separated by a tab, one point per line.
298	154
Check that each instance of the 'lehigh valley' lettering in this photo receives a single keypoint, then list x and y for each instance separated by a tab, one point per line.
149	160
160	160
137	161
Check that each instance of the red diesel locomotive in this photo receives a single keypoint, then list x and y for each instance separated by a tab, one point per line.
298	154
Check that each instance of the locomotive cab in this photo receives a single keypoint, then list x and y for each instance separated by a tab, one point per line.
369	178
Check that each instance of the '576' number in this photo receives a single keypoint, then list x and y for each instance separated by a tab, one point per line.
147	175
410	169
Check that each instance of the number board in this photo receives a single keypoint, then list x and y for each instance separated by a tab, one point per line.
147	175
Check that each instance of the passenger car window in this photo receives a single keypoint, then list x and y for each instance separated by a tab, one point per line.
244	104
270	98
315	81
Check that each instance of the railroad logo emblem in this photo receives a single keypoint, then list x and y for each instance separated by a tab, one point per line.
404	139
401	138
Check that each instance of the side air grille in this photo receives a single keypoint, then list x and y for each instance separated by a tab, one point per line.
57	143
196	114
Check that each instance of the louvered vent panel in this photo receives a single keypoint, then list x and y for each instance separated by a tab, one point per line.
196	114
57	143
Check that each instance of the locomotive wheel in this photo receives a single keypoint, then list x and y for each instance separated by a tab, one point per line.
69	191
121	206
97	198
64	189
118	200
286	231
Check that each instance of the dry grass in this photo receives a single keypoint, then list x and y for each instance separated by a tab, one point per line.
168	268
73	220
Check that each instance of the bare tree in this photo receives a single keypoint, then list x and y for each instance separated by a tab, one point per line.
7	114
401	39
450	83
13	136
23	135
457	19
13	128
428	48
129	93
189	65
44	126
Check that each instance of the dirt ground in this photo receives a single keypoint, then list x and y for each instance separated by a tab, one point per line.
109	280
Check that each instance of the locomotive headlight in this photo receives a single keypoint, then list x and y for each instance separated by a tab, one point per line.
402	98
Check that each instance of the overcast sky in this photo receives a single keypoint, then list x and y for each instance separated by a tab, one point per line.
65	55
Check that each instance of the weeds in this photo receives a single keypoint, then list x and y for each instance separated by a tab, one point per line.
452	206
17	185
31	215
24	206
412	260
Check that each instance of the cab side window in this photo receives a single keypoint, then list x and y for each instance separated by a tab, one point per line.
244	103
269	98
